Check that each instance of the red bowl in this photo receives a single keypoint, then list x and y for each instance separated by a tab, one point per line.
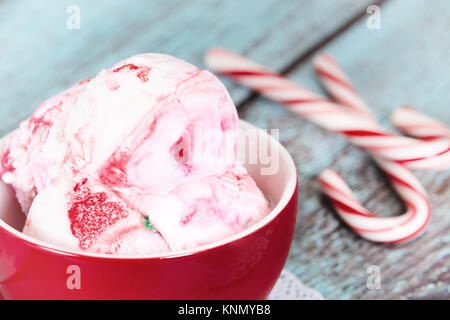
245	266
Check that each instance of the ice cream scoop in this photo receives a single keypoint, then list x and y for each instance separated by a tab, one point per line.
139	159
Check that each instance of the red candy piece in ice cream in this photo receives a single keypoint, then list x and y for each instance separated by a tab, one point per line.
142	74
126	66
90	214
114	172
84	81
6	163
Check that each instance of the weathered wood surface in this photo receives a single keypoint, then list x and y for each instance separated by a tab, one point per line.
404	62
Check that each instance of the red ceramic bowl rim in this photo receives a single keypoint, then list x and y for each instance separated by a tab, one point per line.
287	195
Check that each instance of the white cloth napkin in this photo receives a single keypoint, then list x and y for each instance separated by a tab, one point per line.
289	287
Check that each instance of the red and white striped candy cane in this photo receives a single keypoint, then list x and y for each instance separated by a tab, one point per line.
359	126
419	125
368	225
338	85
406	119
416	124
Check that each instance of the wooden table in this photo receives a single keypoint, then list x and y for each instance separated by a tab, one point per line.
406	61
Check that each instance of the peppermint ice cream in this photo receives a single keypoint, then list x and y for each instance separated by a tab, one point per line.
140	159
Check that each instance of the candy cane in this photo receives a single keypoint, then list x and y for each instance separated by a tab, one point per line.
368	225
406	119
364	131
355	125
381	229
418	125
338	85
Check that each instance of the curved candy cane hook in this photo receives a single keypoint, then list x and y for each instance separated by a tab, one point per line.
381	229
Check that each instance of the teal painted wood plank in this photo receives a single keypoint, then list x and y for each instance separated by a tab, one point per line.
404	62
40	56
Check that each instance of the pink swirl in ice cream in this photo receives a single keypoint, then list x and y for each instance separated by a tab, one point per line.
139	159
